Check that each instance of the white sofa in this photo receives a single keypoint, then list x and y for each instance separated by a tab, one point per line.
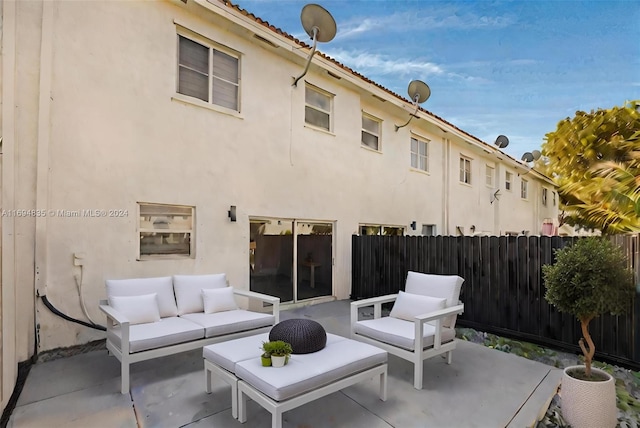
154	317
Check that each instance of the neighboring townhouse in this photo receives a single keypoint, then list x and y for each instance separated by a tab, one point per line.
145	139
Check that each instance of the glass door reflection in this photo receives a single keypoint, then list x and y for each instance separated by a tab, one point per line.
314	257
271	257
277	245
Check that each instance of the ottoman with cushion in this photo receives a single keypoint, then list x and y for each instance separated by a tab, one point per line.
341	363
220	360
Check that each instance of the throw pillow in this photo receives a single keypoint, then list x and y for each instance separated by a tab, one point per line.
218	300
407	306
188	289
138	309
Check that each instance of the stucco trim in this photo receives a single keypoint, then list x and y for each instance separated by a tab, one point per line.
8	315
43	144
199	103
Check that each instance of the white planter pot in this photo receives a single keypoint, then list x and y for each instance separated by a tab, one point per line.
588	404
278	361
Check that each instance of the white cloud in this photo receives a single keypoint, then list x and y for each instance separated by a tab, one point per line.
364	26
449	18
523	61
376	64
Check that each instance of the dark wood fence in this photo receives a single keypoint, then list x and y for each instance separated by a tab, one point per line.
503	290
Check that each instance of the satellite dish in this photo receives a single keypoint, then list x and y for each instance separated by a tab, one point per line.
502	141
536	154
527	157
419	93
320	26
318	23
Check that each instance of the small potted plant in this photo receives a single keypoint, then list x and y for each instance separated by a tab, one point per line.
588	279
279	352
265	358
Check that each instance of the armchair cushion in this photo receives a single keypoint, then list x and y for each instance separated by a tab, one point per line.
163	287
189	288
138	309
218	300
407	306
442	286
400	333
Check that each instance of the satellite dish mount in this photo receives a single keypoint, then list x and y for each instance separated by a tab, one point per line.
494	196
419	93
528	157
320	26
502	141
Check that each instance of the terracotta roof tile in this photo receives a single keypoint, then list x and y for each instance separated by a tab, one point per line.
277	30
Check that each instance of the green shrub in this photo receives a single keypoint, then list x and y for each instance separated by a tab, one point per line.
588	279
276	348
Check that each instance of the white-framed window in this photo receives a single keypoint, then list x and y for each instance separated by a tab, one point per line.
209	73
553	194
419	154
489	175
524	187
165	230
370	131
465	170
508	179
429	230
544	196
317	108
381	229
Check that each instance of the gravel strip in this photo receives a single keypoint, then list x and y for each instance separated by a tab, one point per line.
627	381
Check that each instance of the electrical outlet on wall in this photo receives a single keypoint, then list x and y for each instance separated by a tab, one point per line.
78	259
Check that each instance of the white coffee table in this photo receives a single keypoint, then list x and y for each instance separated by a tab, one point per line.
307	377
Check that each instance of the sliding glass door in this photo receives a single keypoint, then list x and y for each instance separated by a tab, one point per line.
314	259
277	246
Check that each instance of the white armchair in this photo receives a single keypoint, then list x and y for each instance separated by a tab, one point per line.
428	308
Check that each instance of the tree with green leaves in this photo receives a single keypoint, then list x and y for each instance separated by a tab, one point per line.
588	279
594	159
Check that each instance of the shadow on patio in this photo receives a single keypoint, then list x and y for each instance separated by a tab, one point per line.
482	388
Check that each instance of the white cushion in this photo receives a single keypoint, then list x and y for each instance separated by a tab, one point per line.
227	354
218	300
227	322
138	309
401	333
189	288
167	331
135	287
443	286
340	358
407	306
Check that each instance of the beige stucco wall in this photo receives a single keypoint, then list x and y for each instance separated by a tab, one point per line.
21	24
117	135
118	138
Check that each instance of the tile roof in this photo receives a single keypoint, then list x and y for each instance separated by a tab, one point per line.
277	30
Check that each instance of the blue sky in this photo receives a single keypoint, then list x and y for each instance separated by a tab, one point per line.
494	67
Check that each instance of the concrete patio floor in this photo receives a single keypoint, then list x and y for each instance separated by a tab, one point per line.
482	388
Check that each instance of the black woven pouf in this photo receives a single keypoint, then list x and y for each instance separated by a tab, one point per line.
305	336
